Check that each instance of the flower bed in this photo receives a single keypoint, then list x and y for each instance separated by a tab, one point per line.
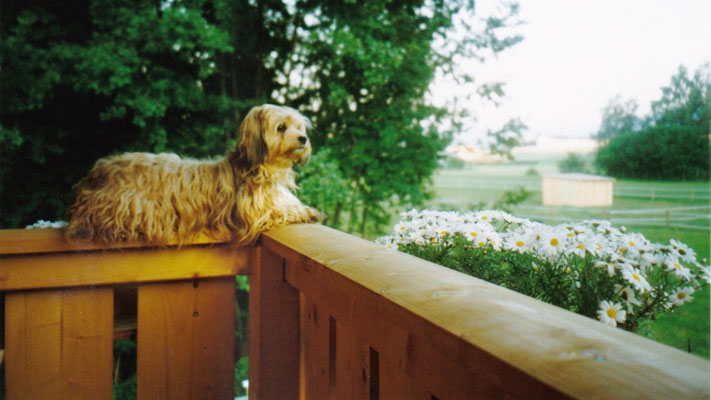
592	268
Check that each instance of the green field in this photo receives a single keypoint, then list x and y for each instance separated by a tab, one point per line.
651	208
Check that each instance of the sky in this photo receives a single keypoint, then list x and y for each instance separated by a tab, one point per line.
577	55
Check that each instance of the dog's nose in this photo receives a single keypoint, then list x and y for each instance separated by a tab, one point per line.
303	139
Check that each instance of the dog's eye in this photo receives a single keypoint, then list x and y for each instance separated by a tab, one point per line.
281	128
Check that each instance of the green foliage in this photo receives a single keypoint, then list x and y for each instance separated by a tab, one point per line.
673	142
88	79
657	152
573	163
618	117
241	374
588	268
323	186
511	198
94	77
125	370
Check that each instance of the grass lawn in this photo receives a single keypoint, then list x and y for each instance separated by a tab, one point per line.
463	189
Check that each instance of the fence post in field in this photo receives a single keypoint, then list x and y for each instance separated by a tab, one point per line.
669	216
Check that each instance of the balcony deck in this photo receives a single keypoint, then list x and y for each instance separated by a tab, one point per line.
331	316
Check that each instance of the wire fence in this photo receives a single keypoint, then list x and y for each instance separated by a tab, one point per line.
650	193
688	217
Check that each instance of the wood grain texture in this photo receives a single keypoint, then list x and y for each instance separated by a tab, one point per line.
186	340
51	240
51	270
464	334
59	344
396	385
352	366
273	330
315	345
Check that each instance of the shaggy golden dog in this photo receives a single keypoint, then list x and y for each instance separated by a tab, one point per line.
163	198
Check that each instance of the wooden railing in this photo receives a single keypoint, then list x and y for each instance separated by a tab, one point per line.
59	316
331	316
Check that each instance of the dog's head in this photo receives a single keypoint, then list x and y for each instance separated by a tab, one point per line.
274	135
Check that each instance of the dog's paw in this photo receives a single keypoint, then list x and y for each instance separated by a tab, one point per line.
314	215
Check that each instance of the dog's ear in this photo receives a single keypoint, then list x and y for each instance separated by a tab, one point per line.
251	146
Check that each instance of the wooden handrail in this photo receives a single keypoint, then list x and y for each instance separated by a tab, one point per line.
51	240
60	308
407	328
331	316
40	258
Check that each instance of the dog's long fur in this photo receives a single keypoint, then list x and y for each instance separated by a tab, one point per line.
163	198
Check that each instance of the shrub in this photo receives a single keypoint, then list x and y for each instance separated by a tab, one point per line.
574	163
591	268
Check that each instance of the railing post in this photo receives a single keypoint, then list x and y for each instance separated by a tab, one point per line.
58	343
273	330
186	339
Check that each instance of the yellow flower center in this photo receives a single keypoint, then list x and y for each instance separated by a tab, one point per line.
611	312
484	217
581	246
681	295
474	234
519	243
445	233
554	242
677	266
631	243
623	250
636	277
402	228
571	234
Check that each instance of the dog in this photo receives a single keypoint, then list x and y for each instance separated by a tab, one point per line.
163	198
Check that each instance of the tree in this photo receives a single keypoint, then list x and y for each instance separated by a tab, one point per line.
95	77
87	79
674	142
573	163
618	117
368	65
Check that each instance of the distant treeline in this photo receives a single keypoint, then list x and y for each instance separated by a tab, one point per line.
670	143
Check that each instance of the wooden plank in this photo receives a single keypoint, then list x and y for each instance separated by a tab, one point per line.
59	344
33	332
396	385
55	270
315	345
51	240
380	324
186	340
87	343
479	328
352	366
273	330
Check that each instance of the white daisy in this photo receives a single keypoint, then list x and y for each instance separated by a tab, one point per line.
685	252
552	244
679	270
681	295
627	294
518	241
706	274
611	313
635	277
610	267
